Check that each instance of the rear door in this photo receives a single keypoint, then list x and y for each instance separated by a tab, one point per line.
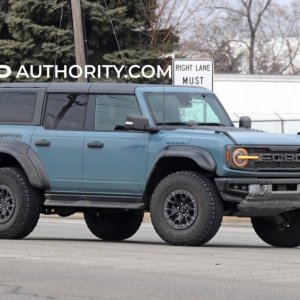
59	141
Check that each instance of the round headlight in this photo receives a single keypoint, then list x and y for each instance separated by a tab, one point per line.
238	159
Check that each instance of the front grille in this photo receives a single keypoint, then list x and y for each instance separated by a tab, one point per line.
276	159
276	165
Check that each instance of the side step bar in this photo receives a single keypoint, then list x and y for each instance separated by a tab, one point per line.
94	201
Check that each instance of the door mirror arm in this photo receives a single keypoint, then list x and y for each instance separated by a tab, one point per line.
139	123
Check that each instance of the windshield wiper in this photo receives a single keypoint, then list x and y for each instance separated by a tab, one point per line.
174	123
210	124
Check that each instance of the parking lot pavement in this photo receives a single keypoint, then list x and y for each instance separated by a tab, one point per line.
62	260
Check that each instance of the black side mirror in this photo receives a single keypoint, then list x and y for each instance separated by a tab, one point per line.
245	122
136	122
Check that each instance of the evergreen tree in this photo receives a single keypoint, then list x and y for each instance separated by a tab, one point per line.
34	31
4	34
31	32
132	32
3	13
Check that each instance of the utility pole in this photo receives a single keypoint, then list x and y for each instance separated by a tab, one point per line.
78	36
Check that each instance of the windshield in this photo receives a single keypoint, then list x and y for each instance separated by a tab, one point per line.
186	109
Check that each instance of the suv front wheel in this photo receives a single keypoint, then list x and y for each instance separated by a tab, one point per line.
114	226
186	209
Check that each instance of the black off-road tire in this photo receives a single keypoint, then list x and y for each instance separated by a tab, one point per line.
207	206
287	235
23	202
114	226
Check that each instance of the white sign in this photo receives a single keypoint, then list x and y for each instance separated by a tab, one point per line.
193	72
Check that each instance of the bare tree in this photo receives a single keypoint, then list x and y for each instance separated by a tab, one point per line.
250	36
284	30
170	18
251	12
216	38
242	36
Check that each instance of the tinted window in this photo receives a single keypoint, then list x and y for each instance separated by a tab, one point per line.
112	110
17	107
65	111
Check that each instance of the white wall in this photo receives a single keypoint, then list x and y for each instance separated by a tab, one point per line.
261	97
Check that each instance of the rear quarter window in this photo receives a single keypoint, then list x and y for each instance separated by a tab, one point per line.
17	107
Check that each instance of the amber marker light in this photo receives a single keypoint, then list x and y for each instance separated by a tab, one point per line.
240	157
227	156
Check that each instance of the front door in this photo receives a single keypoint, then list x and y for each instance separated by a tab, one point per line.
114	160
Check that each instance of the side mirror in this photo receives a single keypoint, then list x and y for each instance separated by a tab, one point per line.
136	122
245	122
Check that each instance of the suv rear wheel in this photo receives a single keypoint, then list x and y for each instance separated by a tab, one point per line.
280	231
114	226
186	209
20	204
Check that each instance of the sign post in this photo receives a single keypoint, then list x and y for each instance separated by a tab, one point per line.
193	72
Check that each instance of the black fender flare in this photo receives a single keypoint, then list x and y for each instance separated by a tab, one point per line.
198	154
29	160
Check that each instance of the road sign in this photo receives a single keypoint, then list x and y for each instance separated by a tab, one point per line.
193	72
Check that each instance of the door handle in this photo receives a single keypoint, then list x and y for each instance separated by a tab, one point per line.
43	143
95	144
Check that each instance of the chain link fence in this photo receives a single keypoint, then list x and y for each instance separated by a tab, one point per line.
273	122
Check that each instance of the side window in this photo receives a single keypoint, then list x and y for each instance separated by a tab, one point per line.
17	107
111	111
65	111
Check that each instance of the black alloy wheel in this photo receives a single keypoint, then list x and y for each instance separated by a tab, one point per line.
7	204
20	204
180	209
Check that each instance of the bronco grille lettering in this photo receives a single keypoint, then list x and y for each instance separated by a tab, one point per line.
278	157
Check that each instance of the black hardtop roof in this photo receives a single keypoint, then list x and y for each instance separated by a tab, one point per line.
62	86
85	87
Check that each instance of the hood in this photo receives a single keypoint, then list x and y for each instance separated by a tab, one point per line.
251	137
244	136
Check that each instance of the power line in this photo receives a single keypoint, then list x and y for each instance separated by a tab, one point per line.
58	34
117	41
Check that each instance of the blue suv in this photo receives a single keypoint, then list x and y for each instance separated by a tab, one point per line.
114	151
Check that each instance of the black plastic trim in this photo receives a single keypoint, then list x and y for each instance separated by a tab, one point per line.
269	203
29	161
40	169
200	155
94	201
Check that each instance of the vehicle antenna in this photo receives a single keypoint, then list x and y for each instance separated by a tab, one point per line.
164	99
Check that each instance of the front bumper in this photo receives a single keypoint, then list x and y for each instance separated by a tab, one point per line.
260	196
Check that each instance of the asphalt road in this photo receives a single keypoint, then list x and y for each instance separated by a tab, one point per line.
62	260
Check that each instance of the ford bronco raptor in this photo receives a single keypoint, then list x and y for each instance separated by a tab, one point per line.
114	151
